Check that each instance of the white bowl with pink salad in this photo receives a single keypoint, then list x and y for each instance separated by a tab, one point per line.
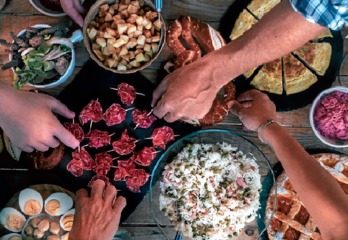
329	116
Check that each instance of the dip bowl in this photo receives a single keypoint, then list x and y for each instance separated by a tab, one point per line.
326	118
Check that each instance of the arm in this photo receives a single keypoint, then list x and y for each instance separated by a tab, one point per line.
97	216
319	191
189	91
74	9
27	119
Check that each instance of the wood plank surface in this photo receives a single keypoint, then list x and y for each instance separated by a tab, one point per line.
17	15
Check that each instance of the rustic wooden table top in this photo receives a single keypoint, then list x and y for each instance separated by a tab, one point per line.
17	15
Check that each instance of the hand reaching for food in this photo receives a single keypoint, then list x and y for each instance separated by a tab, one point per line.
253	108
27	119
97	216
74	9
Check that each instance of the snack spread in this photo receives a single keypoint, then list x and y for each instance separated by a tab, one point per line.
210	191
291	219
294	72
331	116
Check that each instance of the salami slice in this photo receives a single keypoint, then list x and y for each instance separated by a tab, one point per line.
103	163
145	156
76	130
98	138
114	115
143	118
85	158
96	177
92	112
121	174
137	179
125	145
75	167
161	136
127	93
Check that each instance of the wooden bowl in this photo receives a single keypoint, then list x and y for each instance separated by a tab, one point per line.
92	14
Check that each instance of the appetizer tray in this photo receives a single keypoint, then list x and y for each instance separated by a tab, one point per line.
37	203
102	86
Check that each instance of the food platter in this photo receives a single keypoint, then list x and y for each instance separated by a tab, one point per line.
42	201
211	136
86	88
284	100
333	158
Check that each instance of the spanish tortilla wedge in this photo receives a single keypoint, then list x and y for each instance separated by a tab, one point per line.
297	76
316	56
269	78
243	23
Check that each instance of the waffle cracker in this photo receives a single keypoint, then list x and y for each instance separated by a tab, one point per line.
291	219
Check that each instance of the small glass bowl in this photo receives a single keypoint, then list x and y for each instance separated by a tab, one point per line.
30	227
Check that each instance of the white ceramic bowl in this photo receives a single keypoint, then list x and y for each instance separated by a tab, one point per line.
325	140
76	37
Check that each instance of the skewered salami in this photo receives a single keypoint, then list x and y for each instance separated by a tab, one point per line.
76	130
127	93
96	177
120	174
145	156
115	114
123	168
103	162
75	167
161	136
98	138
125	145
92	112
137	179
83	156
143	118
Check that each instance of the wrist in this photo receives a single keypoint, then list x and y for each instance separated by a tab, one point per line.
261	129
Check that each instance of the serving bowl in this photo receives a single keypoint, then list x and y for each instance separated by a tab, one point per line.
76	37
329	118
118	39
52	9
209	136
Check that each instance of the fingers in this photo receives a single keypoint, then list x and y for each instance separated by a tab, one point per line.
248	95
60	108
66	137
170	117
70	8
109	194
119	205
157	94
42	147
78	6
236	108
81	193
160	110
53	143
97	189
27	149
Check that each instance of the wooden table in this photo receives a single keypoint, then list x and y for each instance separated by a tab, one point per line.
18	14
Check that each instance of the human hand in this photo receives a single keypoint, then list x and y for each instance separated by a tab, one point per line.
27	119
97	216
74	9
253	108
187	93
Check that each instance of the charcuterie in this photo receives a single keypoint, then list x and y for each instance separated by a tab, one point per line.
92	112
98	138
143	118
115	114
76	130
125	145
161	136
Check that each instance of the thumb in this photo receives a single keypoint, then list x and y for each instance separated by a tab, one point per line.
61	109
66	137
236	108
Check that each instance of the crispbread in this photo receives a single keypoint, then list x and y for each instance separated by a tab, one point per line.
291	219
296	75
250	72
316	55
269	78
244	22
326	33
260	7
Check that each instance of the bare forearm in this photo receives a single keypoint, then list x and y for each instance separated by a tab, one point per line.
318	190
276	34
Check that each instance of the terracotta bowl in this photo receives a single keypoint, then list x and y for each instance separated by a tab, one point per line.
93	13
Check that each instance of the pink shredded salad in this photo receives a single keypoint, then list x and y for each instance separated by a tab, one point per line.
331	116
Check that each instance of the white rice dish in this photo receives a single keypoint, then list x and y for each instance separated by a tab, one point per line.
210	191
